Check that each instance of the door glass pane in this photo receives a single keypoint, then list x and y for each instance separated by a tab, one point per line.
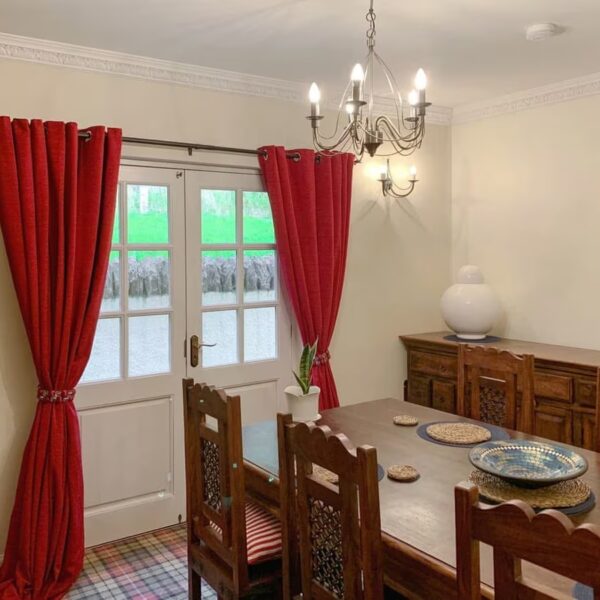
259	275
217	218
258	221
149	279
149	345
147	214
219	274
105	360
111	299
117	224
219	327
259	334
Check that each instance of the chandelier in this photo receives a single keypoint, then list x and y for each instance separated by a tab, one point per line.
357	128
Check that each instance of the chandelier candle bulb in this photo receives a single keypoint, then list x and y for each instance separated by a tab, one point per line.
421	84
314	95
413	173
357	76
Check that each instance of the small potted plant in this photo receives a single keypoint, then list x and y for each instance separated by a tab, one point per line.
303	399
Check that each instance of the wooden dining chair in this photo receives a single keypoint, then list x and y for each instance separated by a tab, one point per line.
548	539
488	383
233	544
331	531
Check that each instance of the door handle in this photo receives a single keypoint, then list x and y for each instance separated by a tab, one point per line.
195	345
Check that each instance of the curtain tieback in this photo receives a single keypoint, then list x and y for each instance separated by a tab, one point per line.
321	359
55	395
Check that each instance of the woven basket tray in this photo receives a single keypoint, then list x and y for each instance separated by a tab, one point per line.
458	433
560	495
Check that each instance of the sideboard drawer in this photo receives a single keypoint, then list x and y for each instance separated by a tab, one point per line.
433	364
556	387
585	392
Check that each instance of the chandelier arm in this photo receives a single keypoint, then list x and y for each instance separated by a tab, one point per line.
329	147
412	134
394	89
396	137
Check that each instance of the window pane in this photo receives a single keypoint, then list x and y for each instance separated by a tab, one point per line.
105	361
260	342
218	216
149	275
117	224
219	327
219	274
258	221
111	299
149	345
147	214
259	275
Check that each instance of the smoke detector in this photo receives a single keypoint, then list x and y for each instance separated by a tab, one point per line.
542	31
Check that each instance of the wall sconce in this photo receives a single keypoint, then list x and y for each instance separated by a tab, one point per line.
388	186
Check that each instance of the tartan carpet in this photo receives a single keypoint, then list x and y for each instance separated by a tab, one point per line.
151	566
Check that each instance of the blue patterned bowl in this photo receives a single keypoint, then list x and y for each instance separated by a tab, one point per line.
528	464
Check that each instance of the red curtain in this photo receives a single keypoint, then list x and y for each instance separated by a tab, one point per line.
57	205
310	200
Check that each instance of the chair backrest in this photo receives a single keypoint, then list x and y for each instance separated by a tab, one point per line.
339	526
515	532
215	477
488	383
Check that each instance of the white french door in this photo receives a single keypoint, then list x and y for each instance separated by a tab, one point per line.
193	255
242	331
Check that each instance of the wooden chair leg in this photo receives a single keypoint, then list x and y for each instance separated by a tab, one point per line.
194	585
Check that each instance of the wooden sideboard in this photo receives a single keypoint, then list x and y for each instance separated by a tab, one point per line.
565	383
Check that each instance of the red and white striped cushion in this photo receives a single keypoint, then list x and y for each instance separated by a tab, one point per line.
263	534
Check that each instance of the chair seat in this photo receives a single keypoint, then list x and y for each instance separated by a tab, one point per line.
263	534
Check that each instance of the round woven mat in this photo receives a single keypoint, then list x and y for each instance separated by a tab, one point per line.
406	420
560	495
325	474
404	473
458	433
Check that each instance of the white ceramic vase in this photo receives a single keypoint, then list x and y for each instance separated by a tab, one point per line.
470	307
304	407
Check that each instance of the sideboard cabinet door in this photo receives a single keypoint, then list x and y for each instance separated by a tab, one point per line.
553	422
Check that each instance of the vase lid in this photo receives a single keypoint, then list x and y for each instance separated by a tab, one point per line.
469	274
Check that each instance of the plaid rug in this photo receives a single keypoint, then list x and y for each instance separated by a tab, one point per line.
151	566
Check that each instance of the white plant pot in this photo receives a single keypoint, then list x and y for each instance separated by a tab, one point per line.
304	407
470	307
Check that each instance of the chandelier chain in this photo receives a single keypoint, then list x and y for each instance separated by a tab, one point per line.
370	17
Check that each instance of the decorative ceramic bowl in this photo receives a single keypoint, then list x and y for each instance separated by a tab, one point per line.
528	464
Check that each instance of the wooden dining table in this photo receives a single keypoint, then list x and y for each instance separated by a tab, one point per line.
417	519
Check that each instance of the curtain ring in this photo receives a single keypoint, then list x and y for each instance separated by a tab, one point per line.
264	154
295	157
318	158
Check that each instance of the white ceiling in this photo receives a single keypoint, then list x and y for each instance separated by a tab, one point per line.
471	49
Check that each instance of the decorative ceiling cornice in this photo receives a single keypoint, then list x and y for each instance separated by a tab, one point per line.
129	65
553	93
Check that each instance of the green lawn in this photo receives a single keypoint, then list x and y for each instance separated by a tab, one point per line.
152	228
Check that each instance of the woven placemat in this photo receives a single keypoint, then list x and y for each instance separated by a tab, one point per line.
565	494
458	433
405	420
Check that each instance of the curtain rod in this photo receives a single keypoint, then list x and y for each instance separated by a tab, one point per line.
295	156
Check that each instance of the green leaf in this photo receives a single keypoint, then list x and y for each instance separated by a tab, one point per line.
304	385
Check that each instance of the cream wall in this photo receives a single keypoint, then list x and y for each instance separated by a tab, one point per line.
526	209
398	254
